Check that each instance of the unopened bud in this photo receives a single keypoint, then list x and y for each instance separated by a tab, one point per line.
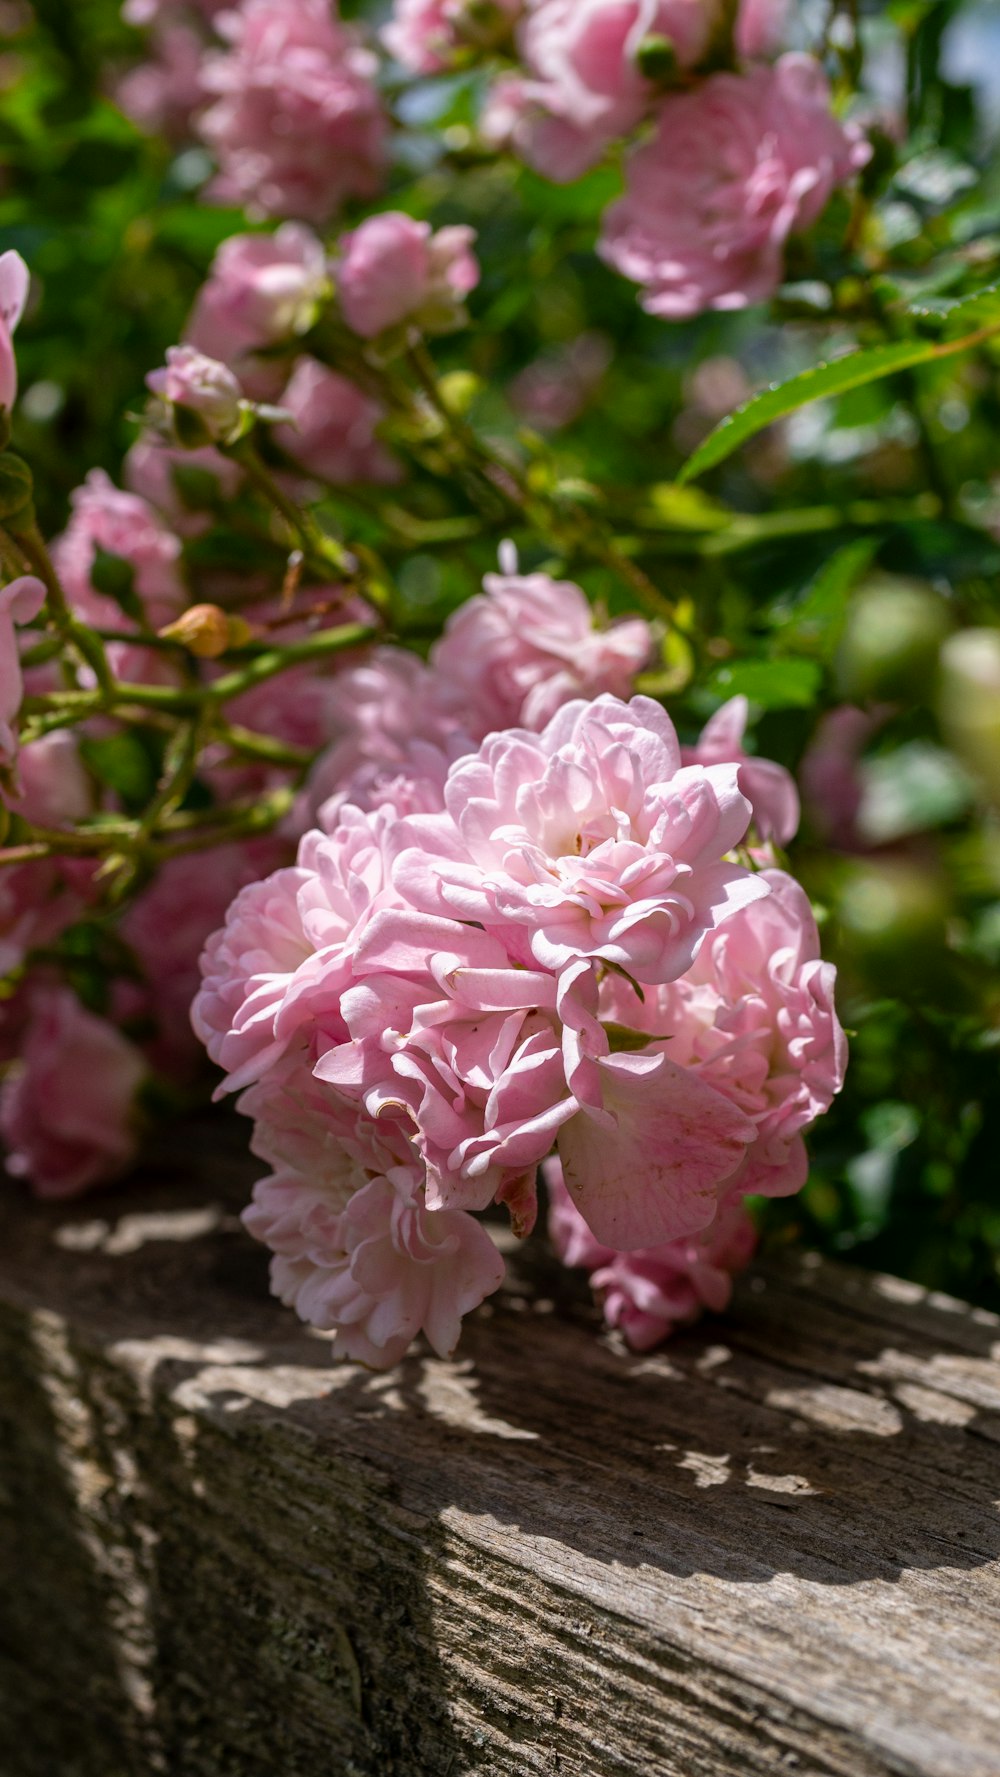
656	58
208	631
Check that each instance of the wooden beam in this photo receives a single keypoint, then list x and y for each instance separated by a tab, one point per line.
772	1547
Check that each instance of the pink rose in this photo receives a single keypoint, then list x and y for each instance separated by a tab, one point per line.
561	956
493	1064
285	953
649	1292
394	269
297	124
355	1248
755	1017
14	282
203	389
183	485
394	738
333	429
768	787
513	655
584	84
262	290
68	1108
162	93
830	773
588	840
760	28
166	927
20	602
55	788
735	167
38	900
105	521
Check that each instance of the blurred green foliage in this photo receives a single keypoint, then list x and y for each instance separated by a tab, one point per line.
821	563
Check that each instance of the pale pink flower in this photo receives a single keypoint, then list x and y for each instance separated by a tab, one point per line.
760	28
285	954
355	1248
183	485
333	431
14	283
68	1107
768	787
38	900
262	290
162	93
167	926
426	35
493	1064
55	788
589	840
247	968
297	124
106	520
405	1270
20	602
755	1018
203	388
584	85
393	738
514	654
393	269
442	1031
667	1148
650	1292
830	773
736	166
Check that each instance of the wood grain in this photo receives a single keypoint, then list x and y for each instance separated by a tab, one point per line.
771	1548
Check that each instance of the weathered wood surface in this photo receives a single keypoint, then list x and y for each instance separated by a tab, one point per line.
772	1548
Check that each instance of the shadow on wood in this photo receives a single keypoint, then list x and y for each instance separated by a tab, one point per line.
771	1546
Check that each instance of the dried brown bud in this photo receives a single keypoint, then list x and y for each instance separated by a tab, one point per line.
208	631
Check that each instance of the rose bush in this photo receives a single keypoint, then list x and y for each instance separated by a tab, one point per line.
482	878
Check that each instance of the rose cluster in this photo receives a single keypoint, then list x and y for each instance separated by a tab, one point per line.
739	146
546	945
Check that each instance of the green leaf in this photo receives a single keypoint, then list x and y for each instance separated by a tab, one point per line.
122	763
981	310
115	577
684	509
813	623
824	380
966	325
579	201
773	684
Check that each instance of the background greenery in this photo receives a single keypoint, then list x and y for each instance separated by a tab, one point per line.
771	559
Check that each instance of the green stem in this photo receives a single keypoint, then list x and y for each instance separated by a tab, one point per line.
251	745
267	665
87	644
320	549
